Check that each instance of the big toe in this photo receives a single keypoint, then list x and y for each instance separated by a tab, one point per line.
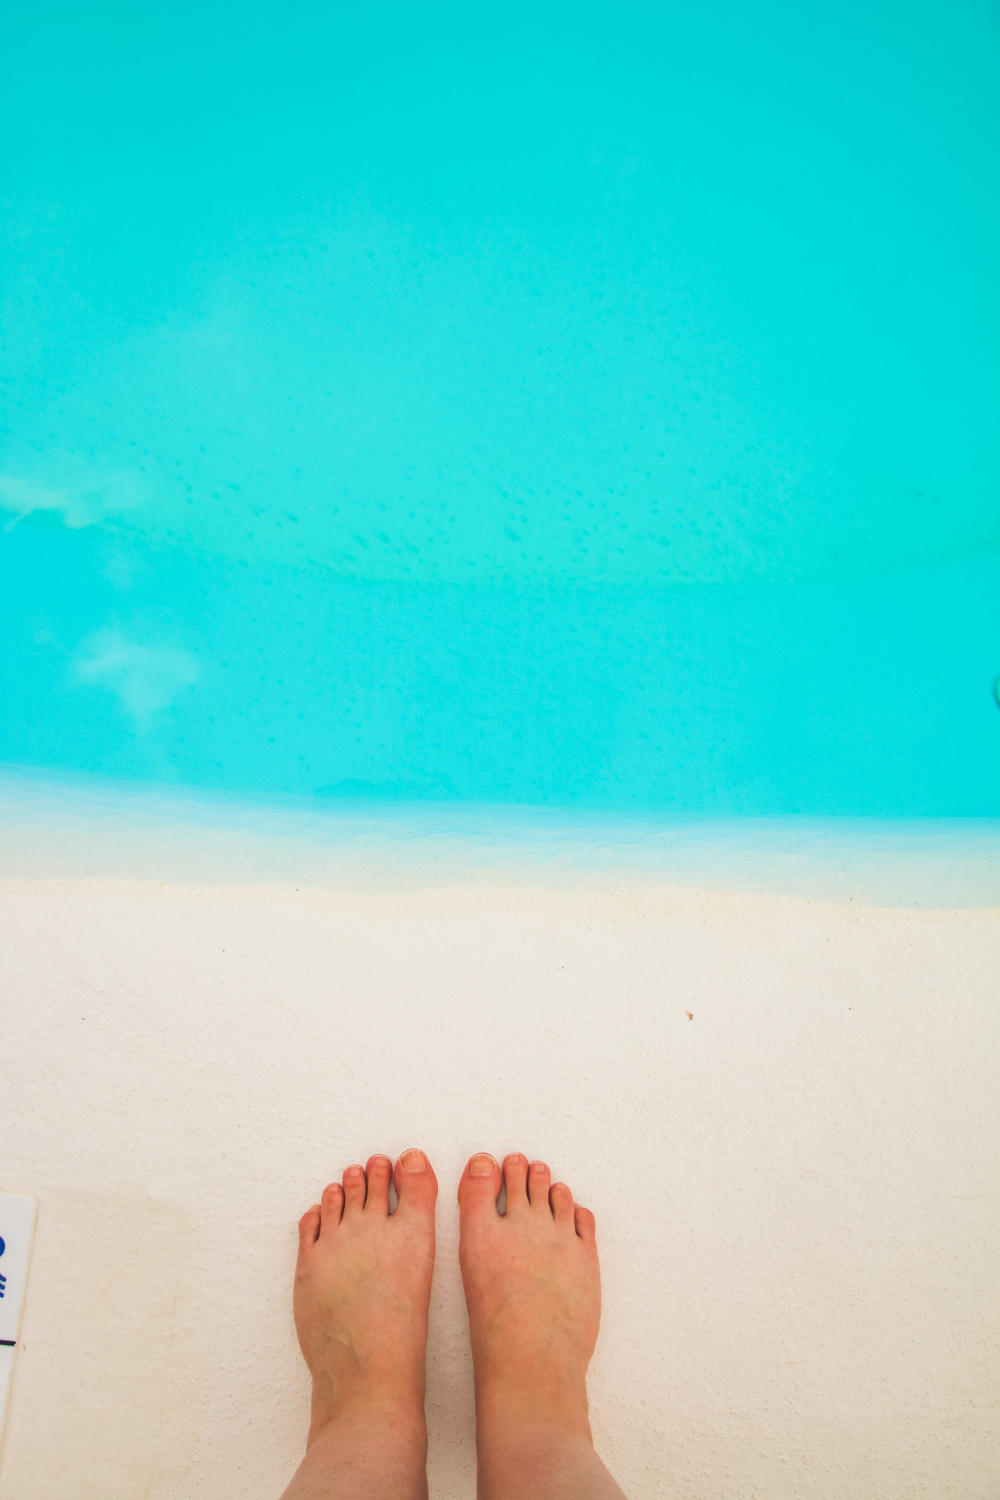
416	1185
479	1187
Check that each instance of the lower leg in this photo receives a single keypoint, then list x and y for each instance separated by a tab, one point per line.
544	1464
362	1454
362	1288
532	1285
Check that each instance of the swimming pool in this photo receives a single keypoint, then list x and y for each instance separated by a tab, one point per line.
513	409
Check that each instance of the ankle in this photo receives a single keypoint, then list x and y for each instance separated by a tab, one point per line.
531	1410
534	1462
381	1409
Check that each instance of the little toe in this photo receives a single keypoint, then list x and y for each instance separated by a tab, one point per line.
331	1208
378	1172
586	1225
309	1227
355	1188
539	1178
479	1187
416	1185
561	1203
515	1176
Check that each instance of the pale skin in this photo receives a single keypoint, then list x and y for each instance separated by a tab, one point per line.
533	1291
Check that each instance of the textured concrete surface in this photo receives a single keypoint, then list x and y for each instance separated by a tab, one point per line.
796	1189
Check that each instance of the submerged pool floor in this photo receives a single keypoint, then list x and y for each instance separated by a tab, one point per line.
578	412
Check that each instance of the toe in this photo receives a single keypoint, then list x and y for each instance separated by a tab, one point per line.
355	1188
515	1176
416	1185
479	1187
586	1225
561	1203
378	1173
539	1178
309	1227
332	1207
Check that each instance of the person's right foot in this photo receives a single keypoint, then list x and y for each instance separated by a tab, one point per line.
533	1288
362	1288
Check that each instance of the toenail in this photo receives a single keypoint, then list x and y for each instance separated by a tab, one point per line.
413	1161
539	1166
482	1165
354	1172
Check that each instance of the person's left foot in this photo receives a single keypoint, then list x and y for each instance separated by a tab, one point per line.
362	1288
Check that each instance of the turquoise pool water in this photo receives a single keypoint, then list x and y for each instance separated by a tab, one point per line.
544	405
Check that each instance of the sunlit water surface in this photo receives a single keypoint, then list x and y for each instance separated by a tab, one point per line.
562	408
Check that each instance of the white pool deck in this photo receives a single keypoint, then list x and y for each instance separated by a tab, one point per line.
208	1014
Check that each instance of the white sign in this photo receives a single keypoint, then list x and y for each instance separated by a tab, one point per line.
17	1228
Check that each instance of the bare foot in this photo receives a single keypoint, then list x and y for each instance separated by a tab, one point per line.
362	1289
533	1289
